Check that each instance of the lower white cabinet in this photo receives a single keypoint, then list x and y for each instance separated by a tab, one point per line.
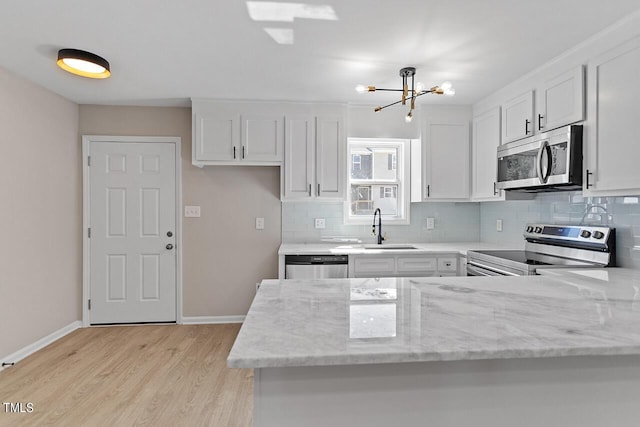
403	265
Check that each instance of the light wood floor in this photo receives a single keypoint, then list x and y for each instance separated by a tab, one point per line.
170	375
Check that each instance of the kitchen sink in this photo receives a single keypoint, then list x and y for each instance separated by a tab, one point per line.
390	247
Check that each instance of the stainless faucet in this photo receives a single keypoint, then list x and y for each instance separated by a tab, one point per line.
379	213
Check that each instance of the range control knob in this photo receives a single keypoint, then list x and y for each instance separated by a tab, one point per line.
538	230
585	233
529	229
598	234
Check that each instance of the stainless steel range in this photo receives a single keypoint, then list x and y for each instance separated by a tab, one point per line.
548	246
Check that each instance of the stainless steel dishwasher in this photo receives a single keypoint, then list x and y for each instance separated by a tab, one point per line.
316	266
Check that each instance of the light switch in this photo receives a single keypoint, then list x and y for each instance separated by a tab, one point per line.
431	223
320	223
259	223
498	225
192	211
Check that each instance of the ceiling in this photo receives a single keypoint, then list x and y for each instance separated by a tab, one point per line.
164	52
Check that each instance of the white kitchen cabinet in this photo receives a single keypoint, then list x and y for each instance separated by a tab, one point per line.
561	101
314	165
612	150
517	117
485	142
233	134
418	265
440	161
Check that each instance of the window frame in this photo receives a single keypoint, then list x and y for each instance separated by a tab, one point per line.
403	176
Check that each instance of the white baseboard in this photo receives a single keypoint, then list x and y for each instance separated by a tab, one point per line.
40	344
207	320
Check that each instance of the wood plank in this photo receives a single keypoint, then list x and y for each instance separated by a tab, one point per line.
155	375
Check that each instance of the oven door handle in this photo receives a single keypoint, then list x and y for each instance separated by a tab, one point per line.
544	177
497	270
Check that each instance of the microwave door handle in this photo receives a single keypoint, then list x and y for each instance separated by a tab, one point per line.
539	162
547	148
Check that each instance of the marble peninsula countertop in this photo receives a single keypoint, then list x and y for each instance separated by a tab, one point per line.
396	320
370	249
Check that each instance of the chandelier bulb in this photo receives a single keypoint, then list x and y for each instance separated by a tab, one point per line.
409	117
419	87
361	88
446	86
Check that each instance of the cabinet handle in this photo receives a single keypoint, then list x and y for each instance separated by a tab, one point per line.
540	117
234	151
428	190
309	190
495	190
589	173
526	127
243	151
318	189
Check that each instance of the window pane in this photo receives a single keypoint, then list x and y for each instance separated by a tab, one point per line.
375	163
365	199
361	164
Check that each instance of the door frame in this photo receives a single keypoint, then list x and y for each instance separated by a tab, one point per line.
86	265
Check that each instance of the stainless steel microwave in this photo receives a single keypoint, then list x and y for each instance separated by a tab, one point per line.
550	161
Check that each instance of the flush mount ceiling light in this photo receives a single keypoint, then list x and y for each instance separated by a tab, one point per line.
410	94
82	63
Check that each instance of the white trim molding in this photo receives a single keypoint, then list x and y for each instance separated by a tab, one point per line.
211	320
40	344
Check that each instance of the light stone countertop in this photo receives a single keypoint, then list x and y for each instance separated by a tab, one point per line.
395	320
359	249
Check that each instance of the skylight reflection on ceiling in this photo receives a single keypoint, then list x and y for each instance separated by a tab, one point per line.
288	12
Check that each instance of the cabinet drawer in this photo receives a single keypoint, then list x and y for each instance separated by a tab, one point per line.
374	265
447	264
415	265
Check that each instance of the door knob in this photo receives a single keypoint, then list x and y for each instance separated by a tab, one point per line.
169	234
169	246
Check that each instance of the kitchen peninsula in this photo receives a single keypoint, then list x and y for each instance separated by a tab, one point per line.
562	349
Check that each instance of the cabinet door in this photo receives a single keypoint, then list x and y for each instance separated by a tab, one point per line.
262	138
298	158
612	136
562	101
446	160
369	266
330	166
216	136
517	116
486	139
416	266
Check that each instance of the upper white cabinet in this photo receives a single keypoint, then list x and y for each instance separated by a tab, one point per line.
314	165
236	133
517	118
440	161
561	101
612	136
486	139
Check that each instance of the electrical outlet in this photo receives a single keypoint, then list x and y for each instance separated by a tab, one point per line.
431	223
259	223
498	225
192	211
320	223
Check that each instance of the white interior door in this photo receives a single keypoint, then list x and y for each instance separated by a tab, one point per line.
132	217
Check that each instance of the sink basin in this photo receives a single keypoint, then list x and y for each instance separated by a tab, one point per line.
390	247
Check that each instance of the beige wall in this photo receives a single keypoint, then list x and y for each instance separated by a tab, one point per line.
223	254
40	213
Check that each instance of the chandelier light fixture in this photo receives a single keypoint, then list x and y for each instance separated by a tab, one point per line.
409	93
